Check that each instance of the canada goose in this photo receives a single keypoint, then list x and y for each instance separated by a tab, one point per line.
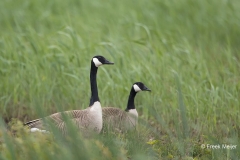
88	119
119	119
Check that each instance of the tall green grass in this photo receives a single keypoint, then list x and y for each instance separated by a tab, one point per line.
185	51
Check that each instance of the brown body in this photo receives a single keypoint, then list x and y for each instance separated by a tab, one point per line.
117	119
87	119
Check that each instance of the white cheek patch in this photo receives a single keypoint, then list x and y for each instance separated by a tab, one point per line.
136	88
97	62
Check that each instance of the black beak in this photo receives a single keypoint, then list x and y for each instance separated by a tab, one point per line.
108	62
146	89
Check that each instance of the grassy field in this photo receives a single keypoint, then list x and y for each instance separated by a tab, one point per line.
186	52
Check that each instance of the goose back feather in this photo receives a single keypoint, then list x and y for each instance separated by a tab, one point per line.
117	119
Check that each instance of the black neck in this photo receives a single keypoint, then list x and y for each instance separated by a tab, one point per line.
131	97
93	83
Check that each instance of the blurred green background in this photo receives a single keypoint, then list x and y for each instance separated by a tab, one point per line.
185	51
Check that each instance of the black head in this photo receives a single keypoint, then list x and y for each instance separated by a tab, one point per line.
139	86
100	60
